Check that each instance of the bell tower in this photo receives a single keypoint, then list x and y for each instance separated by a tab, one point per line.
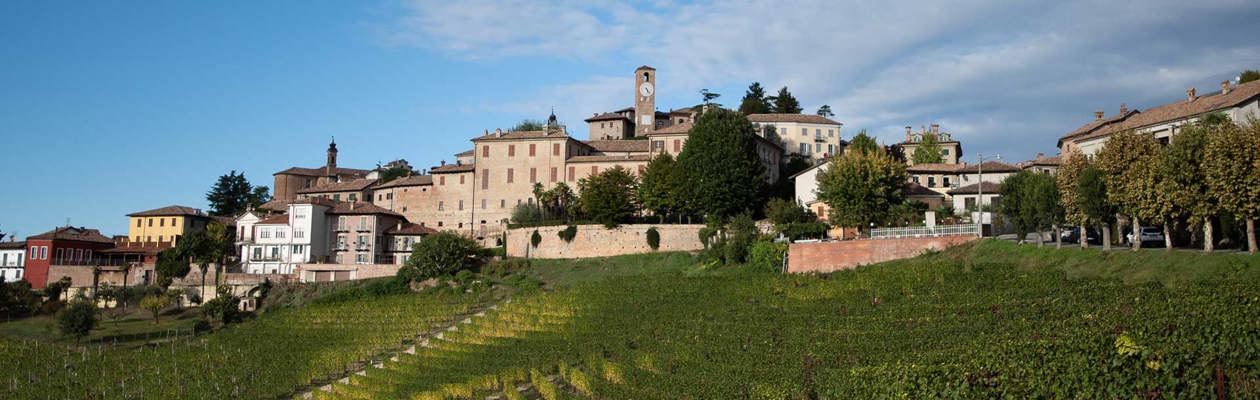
644	100
330	167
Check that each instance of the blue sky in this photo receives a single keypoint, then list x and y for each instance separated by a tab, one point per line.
111	108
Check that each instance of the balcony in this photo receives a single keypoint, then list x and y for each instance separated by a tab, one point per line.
820	138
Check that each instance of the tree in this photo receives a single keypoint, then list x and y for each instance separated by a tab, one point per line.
863	143
220	243
784	211
740	235
1066	179
662	187
231	195
77	319
1231	160
861	188
1128	161
441	253
155	304
928	150
1248	76
708	96
785	103
1182	164
754	101
224	306
825	111
394	170
609	197
1042	194
1093	200
259	196
528	125
171	264
527	213
1015	204
724	175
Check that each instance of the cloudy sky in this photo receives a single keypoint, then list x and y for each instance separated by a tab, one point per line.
113	108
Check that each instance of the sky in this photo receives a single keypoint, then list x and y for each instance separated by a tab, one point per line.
108	108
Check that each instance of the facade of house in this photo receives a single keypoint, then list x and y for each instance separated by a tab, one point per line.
400	238
277	244
70	246
1237	102
164	226
12	260
358	232
951	150
812	136
1042	164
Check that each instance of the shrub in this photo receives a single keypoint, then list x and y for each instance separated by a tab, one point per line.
783	211
535	239
766	256
77	319
741	233
201	326
154	304
653	238
504	268
568	233
224	306
442	253
527	213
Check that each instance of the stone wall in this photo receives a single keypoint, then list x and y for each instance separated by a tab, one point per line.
597	241
848	254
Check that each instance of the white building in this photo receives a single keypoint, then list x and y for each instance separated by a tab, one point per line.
278	244
1236	102
12	260
812	136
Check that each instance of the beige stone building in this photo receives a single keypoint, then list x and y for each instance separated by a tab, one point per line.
813	136
951	150
287	183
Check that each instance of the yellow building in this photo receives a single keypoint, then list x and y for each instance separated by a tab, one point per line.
164	226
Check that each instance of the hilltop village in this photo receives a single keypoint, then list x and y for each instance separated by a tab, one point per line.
331	222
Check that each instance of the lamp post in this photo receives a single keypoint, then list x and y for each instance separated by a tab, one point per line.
980	187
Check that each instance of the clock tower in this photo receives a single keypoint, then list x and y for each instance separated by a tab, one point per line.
644	100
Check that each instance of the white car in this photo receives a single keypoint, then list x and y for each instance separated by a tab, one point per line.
1149	235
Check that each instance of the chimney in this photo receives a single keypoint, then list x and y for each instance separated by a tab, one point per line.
1041	155
1098	115
400	224
936	128
498	132
443	162
908	133
1190	94
1123	109
1225	87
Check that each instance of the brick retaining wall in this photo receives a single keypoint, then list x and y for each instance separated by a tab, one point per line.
848	254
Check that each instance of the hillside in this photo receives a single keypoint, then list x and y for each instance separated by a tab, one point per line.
979	321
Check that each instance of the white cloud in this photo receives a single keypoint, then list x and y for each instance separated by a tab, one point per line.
1003	76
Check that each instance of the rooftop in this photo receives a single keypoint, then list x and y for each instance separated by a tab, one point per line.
282	219
613	146
80	234
360	208
343	186
320	171
988	166
798	118
1182	109
414	180
408	228
935	167
168	211
988	187
632	157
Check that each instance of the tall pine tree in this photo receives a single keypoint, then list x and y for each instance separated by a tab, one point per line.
785	103
754	101
230	195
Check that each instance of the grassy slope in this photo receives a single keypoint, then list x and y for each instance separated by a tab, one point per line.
568	272
984	320
133	328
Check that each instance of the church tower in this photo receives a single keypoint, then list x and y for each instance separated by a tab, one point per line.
644	100
330	168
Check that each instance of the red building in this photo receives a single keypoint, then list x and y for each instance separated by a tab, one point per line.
66	245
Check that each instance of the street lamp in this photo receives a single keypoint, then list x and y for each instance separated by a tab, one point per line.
980	186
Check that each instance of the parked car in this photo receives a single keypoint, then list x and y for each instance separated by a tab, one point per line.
1150	235
1072	234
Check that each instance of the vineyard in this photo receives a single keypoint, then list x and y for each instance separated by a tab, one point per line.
270	357
947	325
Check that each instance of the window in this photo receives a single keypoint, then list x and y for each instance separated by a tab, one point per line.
533	175
461	179
257	253
362	242
150	222
915	179
264	233
818	148
61	255
831	149
297	249
337	197
363	223
658	145
461	205
341	242
485	151
510	176
555	149
782	131
441	181
531	149
299	233
594	170
945	181
969	203
280	233
502	203
380	197
931	181
831	133
439	224
804	131
572	173
275	252
945	152
441	206
677	145
173	222
88	253
43	252
804	148
339	259
818	132
352	197
138	223
341	223
34	254
553	174
485	179
360	258
511	150
483	204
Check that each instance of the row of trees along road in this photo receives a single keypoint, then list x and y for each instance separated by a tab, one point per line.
1207	172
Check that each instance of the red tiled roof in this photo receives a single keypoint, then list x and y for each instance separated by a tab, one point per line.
916	190
607	117
672	129
989	166
521	135
18	245
1182	109
320	171
1042	159
606	146
798	118
169	211
343	186
989	187
632	157
72	233
935	167
282	219
414	180
360	208
465	153
452	168
410	229
275	205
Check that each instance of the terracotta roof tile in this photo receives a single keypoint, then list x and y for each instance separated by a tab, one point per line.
282	219
632	157
414	180
672	129
343	186
521	135
73	233
606	146
989	187
410	229
466	153
169	211
935	167
989	166
275	205
1181	109
607	117
798	118
916	190
17	245
320	171
360	208
452	168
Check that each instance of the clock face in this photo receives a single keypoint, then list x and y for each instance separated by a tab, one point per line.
645	89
